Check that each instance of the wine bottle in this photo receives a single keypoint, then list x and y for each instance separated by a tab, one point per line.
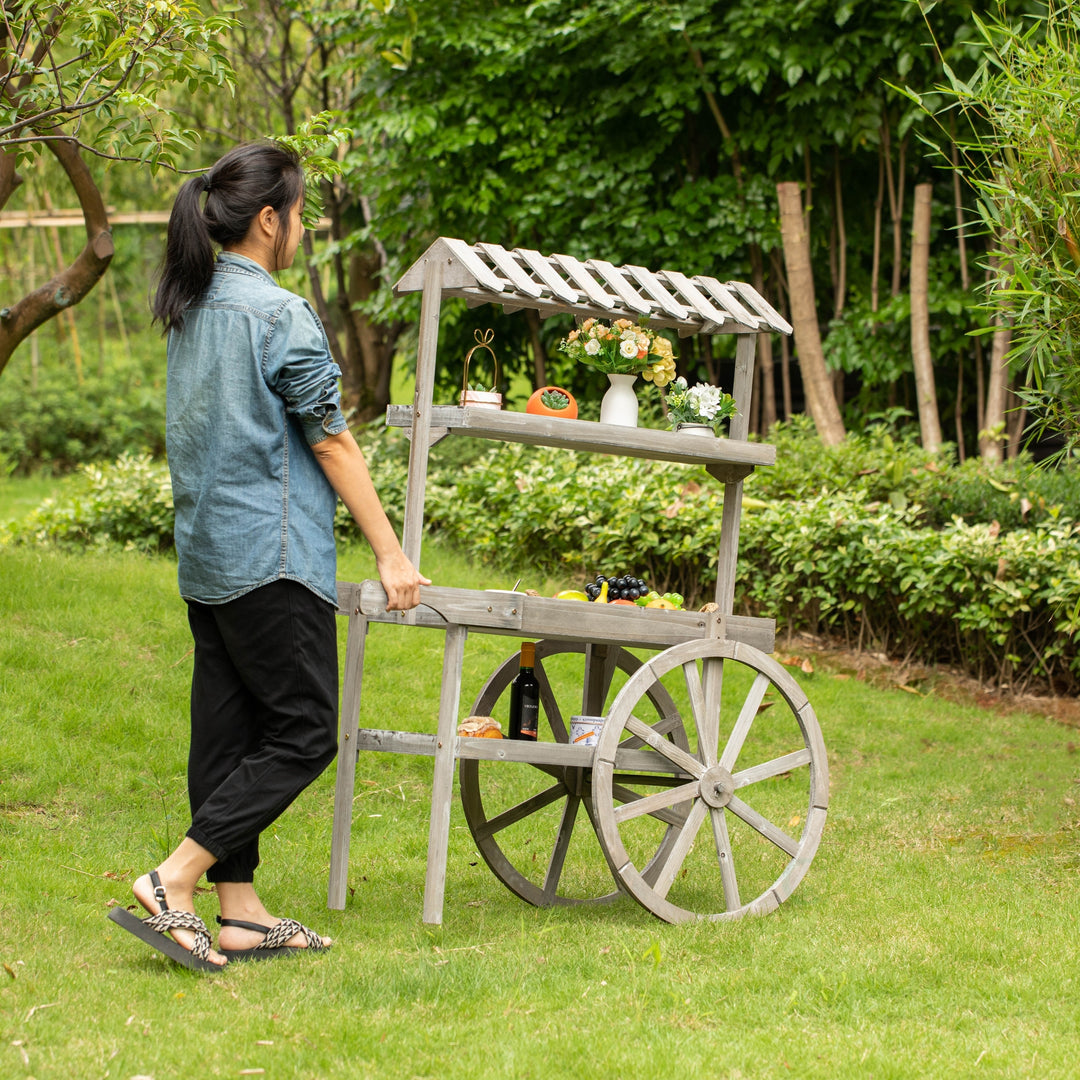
525	697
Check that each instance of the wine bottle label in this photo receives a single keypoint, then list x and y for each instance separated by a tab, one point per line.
530	713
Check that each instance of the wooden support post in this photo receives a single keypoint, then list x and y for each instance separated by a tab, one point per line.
421	431
739	427
599	661
346	762
442	783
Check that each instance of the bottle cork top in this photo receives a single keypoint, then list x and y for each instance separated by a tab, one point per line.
528	653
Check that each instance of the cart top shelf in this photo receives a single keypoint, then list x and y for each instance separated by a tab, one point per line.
552	284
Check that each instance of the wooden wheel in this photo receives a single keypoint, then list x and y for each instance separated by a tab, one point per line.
522	815
757	772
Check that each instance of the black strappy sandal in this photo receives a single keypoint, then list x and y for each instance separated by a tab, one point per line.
154	930
273	945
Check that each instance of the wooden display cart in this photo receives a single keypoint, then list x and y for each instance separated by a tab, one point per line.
743	752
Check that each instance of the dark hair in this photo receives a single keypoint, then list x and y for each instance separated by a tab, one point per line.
237	187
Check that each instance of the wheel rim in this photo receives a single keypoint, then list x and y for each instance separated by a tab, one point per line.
706	871
527	830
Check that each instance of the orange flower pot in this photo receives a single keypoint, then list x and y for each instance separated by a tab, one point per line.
538	408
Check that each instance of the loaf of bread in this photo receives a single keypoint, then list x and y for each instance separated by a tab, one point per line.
480	727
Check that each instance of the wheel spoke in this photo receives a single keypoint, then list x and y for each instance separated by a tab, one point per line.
521	810
668	817
645	779
769	769
664	726
681	848
746	718
724	858
685	761
647	804
764	826
708	726
562	842
549	704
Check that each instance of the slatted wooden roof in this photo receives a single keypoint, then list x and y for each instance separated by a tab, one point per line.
523	278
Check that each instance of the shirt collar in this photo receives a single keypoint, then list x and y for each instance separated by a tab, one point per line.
242	262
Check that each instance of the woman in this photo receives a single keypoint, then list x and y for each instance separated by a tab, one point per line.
258	453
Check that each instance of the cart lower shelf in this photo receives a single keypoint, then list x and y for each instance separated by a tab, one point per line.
711	806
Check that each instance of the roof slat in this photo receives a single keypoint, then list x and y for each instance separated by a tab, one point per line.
543	269
474	264
506	262
616	280
655	288
762	306
728	301
581	277
523	278
695	297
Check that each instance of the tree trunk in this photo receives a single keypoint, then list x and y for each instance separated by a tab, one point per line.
764	365
896	201
841	244
817	383
785	345
72	283
992	434
371	345
921	357
875	265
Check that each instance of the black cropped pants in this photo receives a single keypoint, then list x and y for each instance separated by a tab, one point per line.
264	709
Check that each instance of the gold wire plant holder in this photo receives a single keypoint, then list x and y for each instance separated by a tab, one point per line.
470	395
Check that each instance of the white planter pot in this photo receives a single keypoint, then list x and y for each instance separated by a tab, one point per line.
620	404
696	429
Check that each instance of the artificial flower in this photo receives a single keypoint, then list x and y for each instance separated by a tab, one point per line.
700	404
623	348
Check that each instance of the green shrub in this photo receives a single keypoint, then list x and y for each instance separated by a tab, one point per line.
59	425
849	552
127	503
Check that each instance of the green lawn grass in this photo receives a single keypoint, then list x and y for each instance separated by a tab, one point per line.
935	934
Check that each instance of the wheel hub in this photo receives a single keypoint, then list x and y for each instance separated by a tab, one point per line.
717	786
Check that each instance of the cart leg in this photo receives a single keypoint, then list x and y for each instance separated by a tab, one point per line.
346	761
442	784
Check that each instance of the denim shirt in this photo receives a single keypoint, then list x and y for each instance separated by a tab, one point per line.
251	385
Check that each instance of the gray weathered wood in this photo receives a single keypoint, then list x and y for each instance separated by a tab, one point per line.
566	620
559	287
655	288
580	276
645	754
588	437
553	284
421	410
442	782
617	282
346	760
760	306
652	884
508	265
724	298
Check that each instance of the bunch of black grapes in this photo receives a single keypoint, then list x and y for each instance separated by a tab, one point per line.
624	587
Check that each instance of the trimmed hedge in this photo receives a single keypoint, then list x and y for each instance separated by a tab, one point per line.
857	556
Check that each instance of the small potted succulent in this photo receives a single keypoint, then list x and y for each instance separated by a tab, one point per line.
552	401
698	410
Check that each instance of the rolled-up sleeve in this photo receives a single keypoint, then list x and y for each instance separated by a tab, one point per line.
298	367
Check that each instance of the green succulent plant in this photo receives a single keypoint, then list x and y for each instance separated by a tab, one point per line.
554	399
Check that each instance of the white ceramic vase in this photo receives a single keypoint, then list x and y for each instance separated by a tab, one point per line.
696	429
620	404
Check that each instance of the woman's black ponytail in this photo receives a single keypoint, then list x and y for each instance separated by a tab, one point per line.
241	183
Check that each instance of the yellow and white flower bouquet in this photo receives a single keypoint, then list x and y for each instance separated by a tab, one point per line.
622	348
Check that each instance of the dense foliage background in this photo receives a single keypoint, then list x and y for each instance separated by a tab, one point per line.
641	132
